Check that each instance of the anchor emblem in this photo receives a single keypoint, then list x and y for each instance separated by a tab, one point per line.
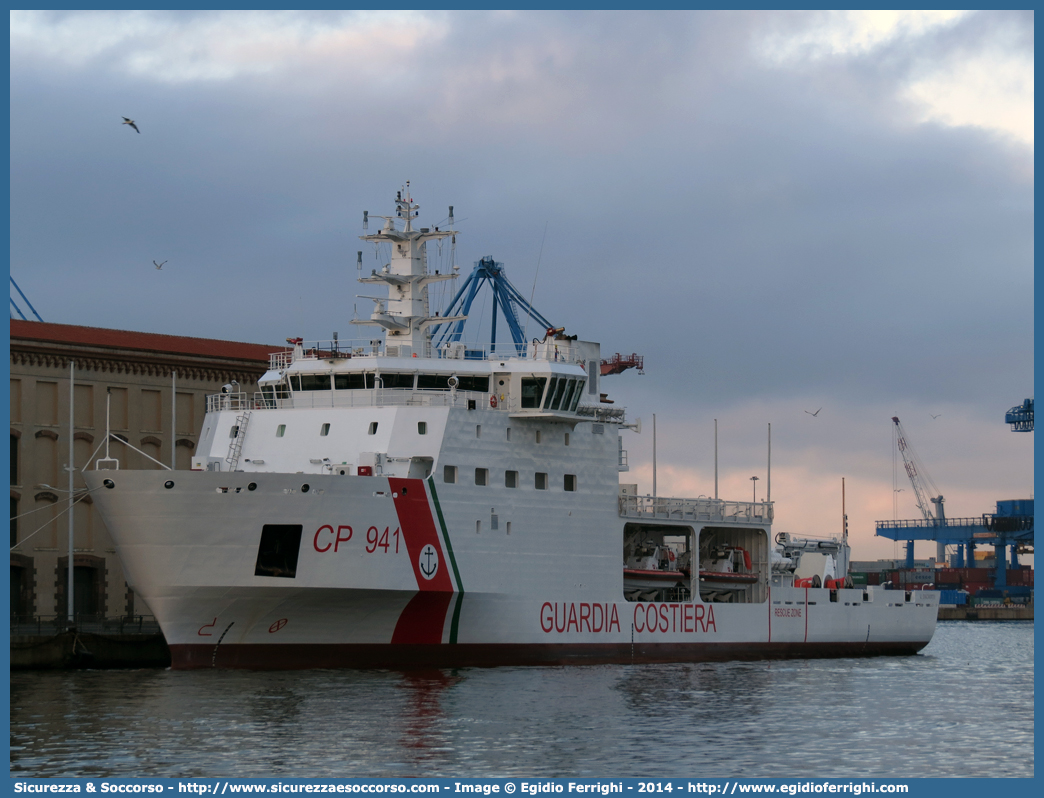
428	561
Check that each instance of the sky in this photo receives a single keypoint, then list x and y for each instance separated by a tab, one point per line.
781	211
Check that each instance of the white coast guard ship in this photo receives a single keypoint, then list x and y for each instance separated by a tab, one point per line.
402	504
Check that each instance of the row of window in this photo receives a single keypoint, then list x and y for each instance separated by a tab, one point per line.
364	380
540	482
554	393
422	429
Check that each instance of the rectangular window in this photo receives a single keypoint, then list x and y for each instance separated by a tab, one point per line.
280	430
449	475
373	428
509	527
324	430
481	476
478	430
14	521
510	479
478	527
278	550
532	391
315	382
570	482
353	382
234	432
422	427
14	459
473	383
397	380
433	382
540	481
567	439
509	433
538	436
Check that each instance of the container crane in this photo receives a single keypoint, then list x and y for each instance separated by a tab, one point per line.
1020	417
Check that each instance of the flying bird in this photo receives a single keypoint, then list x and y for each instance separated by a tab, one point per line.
158	265
130	122
813	414
936	415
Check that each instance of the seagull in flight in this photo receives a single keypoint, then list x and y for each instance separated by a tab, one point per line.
158	265
813	414
935	415
130	122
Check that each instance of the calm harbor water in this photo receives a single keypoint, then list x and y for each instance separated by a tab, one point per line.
963	707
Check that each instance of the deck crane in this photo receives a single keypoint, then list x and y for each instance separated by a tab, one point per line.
918	477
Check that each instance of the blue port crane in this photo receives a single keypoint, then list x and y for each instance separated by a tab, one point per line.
15	307
506	298
1020	417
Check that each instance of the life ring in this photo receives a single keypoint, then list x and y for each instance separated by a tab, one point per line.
493	401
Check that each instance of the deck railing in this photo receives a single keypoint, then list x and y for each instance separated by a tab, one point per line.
698	509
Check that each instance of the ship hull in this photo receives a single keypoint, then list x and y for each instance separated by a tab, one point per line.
399	573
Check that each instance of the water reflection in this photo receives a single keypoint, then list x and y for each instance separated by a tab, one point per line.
963	708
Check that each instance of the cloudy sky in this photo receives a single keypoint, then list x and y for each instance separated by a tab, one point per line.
780	211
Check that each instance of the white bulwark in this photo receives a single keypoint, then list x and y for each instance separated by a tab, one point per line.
388	503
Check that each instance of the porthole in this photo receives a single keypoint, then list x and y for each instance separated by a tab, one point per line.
168	484
252	486
109	484
305	488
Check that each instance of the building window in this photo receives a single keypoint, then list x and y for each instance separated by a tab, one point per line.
449	475
324	430
280	430
570	482
510	479
14	522
373	428
540	481
14	460
422	427
481	476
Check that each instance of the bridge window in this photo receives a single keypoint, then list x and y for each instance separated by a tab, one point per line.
473	383
353	382
556	402
532	391
315	382
397	380
433	382
577	393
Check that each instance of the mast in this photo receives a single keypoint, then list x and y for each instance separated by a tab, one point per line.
403	313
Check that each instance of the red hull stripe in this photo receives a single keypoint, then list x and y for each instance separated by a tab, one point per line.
418	528
412	656
422	621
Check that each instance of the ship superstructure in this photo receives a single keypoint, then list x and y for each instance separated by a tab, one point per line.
388	502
